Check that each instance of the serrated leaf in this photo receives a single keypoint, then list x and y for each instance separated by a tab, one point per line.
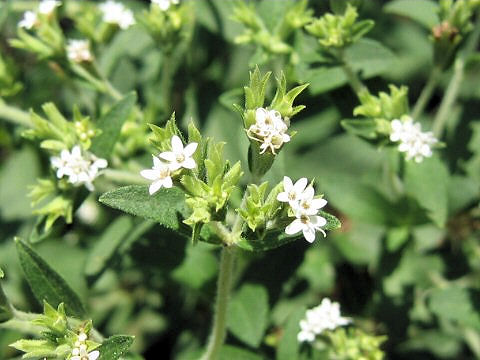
427	183
424	12
248	314
115	347
167	206
46	283
101	256
111	125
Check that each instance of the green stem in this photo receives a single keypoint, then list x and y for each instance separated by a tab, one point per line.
219	330
353	80
14	115
427	92
454	85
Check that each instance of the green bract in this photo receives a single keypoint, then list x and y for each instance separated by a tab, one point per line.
339	31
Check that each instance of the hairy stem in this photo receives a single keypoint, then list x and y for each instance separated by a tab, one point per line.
427	92
219	330
14	115
454	85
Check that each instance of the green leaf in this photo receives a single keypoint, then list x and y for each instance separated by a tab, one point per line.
288	345
367	56
167	206
427	182
248	314
46	283
365	128
111	125
228	352
456	304
423	12
115	347
101	256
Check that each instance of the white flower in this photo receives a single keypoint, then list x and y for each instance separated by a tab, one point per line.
180	156
307	204
82	354
159	174
269	129
308	224
81	169
46	7
292	193
117	13
164	5
29	20
79	51
325	316
413	142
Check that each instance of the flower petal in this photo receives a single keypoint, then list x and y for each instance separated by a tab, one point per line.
283	197
167	182
294	227
287	184
93	355
177	144
155	186
309	234
189	163
318	221
150	174
168	155
190	149
300	185
319	203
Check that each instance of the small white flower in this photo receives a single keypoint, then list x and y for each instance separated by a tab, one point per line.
81	169
413	142
82	337
325	316
180	156
84	355
307	224
46	7
164	5
117	13
79	51
307	204
269	129
292	193
159	174
29	20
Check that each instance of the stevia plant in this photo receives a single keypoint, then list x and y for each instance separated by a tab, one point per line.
214	178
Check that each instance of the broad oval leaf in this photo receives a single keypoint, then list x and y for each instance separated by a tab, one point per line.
248	314
115	346
46	284
111	125
423	12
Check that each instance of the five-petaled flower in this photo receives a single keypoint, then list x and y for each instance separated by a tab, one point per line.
269	129
325	316
80	352
116	13
81	168
304	206
180	157
79	51
30	19
413	142
159	174
164	5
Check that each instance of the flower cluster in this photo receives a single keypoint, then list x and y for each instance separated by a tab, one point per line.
304	206
81	169
79	51
415	143
164	5
325	316
80	352
116	13
30	18
168	162
269	129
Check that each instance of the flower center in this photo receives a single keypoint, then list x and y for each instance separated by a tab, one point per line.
180	158
305	205
292	195
304	219
85	357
